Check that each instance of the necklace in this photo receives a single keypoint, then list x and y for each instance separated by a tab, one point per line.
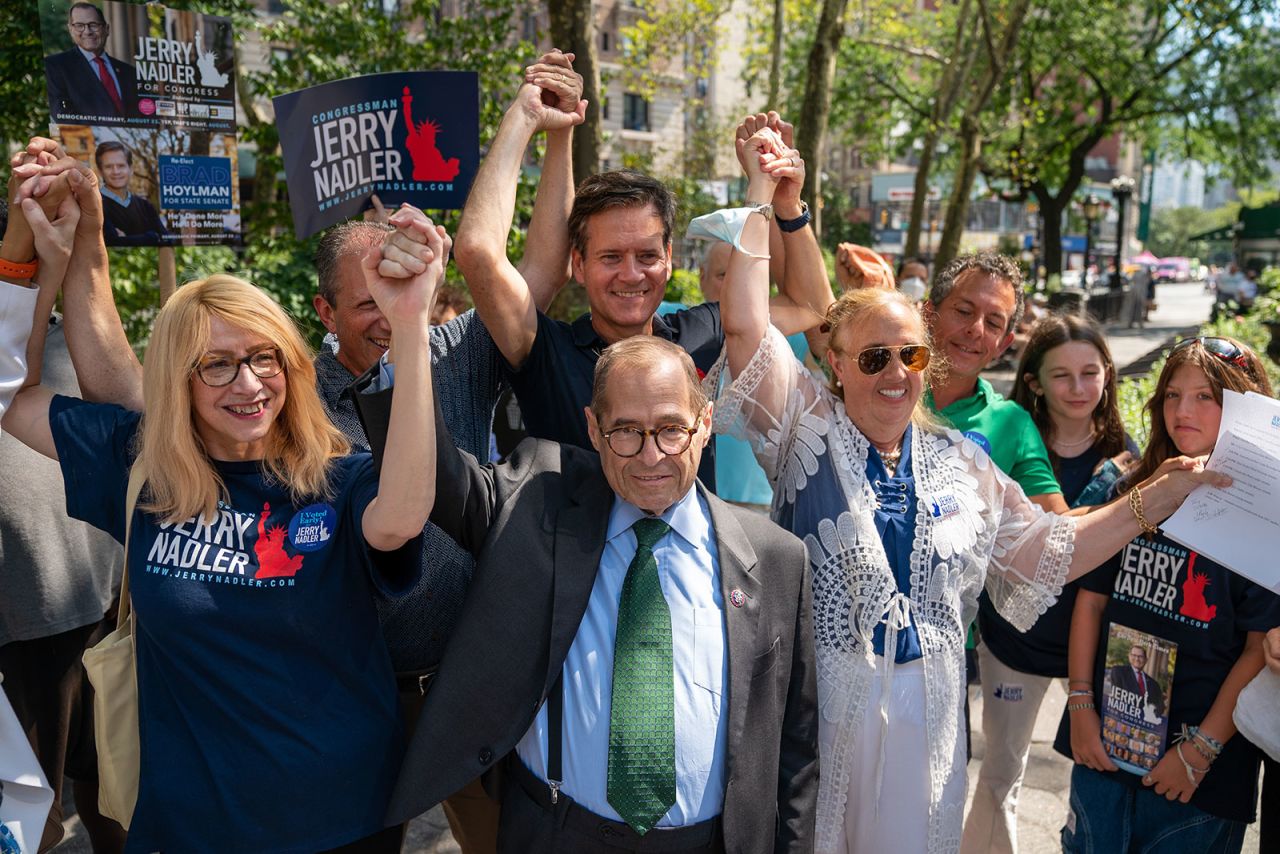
1071	446
890	458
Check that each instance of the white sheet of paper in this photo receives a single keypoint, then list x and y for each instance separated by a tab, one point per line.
27	796
1239	526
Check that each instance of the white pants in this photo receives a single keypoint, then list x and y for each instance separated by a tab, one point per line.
899	820
1010	701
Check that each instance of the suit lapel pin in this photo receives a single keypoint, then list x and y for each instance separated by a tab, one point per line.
737	598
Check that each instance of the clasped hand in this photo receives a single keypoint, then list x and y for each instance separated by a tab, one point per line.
404	272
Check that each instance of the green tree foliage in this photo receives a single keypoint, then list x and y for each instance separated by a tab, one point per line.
312	42
1193	76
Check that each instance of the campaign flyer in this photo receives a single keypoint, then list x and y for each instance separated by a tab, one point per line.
109	63
406	136
162	187
1135	697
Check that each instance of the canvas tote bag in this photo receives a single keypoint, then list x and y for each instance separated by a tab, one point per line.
111	666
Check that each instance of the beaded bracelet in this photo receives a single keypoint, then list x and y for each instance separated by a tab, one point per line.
1079	693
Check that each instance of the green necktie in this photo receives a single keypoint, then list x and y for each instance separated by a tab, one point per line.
642	728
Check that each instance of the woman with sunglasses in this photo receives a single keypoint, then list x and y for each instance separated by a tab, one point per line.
266	697
1198	788
1067	381
905	523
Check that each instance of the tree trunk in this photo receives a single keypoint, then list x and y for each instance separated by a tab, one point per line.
912	247
775	59
1051	230
573	30
815	109
958	204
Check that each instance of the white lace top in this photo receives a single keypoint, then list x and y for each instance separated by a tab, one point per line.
974	527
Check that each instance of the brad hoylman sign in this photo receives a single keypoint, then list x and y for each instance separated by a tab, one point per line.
409	136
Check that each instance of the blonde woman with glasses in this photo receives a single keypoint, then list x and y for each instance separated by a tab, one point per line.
267	703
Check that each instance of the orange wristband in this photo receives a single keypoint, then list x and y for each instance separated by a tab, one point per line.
14	270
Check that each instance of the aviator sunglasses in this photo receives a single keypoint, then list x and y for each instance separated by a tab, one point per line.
873	360
1226	350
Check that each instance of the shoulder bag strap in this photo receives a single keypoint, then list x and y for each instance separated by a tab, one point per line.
132	491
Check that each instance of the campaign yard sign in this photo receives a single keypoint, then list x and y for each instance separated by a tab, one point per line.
409	136
145	95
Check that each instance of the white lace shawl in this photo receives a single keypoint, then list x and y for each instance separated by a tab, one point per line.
993	536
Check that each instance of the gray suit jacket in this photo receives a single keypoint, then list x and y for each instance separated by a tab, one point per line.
537	525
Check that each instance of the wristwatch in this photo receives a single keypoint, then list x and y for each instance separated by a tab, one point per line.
790	225
765	209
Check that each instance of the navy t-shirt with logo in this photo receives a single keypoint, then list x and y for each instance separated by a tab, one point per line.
1163	588
268	707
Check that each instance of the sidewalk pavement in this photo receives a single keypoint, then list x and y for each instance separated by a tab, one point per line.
1181	308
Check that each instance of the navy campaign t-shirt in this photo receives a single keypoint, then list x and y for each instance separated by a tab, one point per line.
1164	589
1042	649
268	708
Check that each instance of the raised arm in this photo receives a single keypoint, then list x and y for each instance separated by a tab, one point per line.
744	301
106	367
501	294
50	242
545	264
406	489
804	292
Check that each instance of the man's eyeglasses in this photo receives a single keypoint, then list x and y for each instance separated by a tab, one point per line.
672	440
218	371
93	27
1226	350
873	360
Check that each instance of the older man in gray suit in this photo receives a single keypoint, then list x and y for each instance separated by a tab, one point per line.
635	654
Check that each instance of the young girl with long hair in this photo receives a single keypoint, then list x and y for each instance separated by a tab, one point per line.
1067	380
1171	771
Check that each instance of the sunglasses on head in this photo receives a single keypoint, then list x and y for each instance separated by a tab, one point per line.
873	360
1226	350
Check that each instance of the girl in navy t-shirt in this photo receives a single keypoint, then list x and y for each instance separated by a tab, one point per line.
1158	608
268	716
1066	380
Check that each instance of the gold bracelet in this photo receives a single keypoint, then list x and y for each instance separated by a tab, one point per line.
1079	707
1135	504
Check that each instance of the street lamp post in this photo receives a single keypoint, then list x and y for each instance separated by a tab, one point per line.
1090	207
1122	190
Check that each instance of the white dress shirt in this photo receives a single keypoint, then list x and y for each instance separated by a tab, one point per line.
689	572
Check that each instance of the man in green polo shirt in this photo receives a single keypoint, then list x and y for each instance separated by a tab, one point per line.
972	311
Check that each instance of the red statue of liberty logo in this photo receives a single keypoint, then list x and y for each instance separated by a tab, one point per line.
1193	601
273	561
428	163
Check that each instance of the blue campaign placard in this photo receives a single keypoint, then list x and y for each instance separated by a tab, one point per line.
195	183
407	136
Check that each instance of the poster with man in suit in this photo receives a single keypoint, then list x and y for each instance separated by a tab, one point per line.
87	84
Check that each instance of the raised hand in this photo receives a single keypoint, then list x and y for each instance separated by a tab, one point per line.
53	238
404	272
561	85
757	152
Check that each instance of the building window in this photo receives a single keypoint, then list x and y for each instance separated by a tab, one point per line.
635	112
604	109
604	41
530	28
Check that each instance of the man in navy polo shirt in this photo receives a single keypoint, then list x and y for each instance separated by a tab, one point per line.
620	231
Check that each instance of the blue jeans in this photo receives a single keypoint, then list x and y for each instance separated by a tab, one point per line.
1108	817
